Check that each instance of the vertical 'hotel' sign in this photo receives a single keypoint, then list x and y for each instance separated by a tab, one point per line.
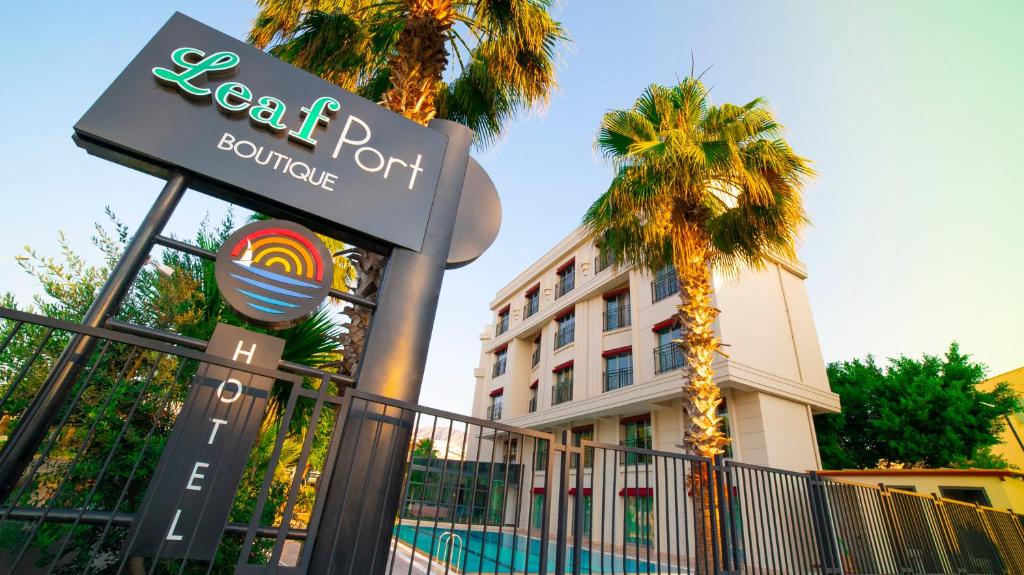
188	501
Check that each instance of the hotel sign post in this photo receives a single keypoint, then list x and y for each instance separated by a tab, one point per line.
206	111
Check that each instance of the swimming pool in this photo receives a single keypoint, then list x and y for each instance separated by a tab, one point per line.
494	552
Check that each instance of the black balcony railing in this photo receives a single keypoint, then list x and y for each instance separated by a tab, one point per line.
631	458
533	404
668	357
616	317
532	306
494	412
499	368
561	392
602	262
535	360
565	335
664	285
618	378
565	284
502	325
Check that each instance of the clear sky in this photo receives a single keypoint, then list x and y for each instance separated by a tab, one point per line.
908	109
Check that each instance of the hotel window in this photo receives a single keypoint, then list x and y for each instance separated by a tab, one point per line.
566	278
540	455
665	283
561	392
636	432
537	516
532	302
497	399
500	357
566	332
668	355
511	450
579	435
533	396
966	494
602	262
535	359
616	309
723	412
502	325
639	504
618	369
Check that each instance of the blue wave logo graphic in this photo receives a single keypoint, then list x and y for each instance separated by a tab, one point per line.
271	292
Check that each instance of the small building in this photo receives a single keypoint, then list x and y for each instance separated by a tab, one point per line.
998	488
1011	445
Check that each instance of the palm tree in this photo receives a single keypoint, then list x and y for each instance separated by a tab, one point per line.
702	188
397	52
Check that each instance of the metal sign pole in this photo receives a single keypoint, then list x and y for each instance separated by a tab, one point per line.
35	422
357	524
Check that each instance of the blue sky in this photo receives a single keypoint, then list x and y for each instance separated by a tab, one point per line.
908	110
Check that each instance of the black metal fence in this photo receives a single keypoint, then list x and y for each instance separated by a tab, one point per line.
474	496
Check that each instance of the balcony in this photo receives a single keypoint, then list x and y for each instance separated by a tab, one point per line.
494	412
616	317
618	378
502	325
664	285
630	458
533	404
499	368
561	392
668	357
535	360
565	284
532	306
565	335
602	262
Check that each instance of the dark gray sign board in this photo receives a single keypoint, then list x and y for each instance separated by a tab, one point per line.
370	174
187	502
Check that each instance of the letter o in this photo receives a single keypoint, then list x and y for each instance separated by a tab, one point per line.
379	155
238	147
238	390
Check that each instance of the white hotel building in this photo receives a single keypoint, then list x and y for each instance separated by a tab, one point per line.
585	347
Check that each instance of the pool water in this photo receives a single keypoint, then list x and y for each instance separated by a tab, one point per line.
495	552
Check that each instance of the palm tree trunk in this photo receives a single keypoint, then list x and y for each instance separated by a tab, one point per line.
416	68
702	433
420	59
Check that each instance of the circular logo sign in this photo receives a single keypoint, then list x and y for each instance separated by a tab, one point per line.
274	273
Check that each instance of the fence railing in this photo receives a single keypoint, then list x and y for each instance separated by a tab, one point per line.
565	284
561	392
616	317
477	497
618	378
564	336
664	285
668	357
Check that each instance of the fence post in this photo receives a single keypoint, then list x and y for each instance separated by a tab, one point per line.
563	503
821	515
954	551
577	519
46	404
892	527
730	563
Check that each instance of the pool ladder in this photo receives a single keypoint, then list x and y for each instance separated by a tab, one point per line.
455	540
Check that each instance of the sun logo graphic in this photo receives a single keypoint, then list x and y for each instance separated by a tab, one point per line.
274	273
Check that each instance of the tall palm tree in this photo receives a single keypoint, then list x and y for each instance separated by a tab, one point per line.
397	52
702	188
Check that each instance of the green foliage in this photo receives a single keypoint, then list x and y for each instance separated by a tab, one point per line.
504	52
691	176
924	412
110	440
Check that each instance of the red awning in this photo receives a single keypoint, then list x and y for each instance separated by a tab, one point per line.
537	490
637	491
534	384
505	309
663	324
497	392
617	351
586	491
562	366
616	293
533	290
635	418
500	348
578	428
566	265
565	312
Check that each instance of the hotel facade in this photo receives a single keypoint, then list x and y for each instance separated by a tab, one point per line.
583	345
